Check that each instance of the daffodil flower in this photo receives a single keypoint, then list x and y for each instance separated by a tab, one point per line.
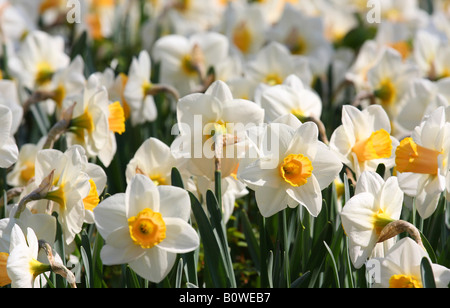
293	169
95	120
70	186
304	36
273	63
185	61
389	79
375	204
43	225
38	59
290	97
23	170
154	159
400	268
9	151
422	161
245	27
23	266
136	92
207	119
363	141
9	97
146	227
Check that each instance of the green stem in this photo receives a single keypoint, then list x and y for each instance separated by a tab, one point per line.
264	253
283	221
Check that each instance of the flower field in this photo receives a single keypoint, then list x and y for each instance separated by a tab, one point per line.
224	144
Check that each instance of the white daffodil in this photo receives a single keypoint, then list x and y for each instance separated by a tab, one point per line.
304	36
146	227
9	97
293	169
23	170
291	97
99	18
431	53
43	225
272	9
193	16
422	161
185	61
22	265
422	97
67	82
14	23
389	80
401	267
141	103
375	204
95	120
367	57
39	57
273	63
154	159
210	119
71	185
363	141
397	36
97	181
245	27
8	147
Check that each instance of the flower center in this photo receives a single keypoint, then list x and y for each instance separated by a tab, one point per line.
37	268
44	73
58	196
27	172
386	92
59	94
273	79
147	229
158	179
404	281
380	220
188	66
83	121
296	43
146	86
411	157
92	199
116	118
242	37
378	145
403	47
296	169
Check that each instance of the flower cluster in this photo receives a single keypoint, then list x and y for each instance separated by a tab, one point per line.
271	106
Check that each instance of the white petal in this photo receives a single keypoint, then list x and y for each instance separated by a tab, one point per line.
174	202
141	193
180	236
309	195
110	214
154	265
271	200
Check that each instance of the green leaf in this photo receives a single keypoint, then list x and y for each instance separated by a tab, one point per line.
176	179
179	276
214	260
302	281
335	270
85	258
253	247
427	273
428	247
